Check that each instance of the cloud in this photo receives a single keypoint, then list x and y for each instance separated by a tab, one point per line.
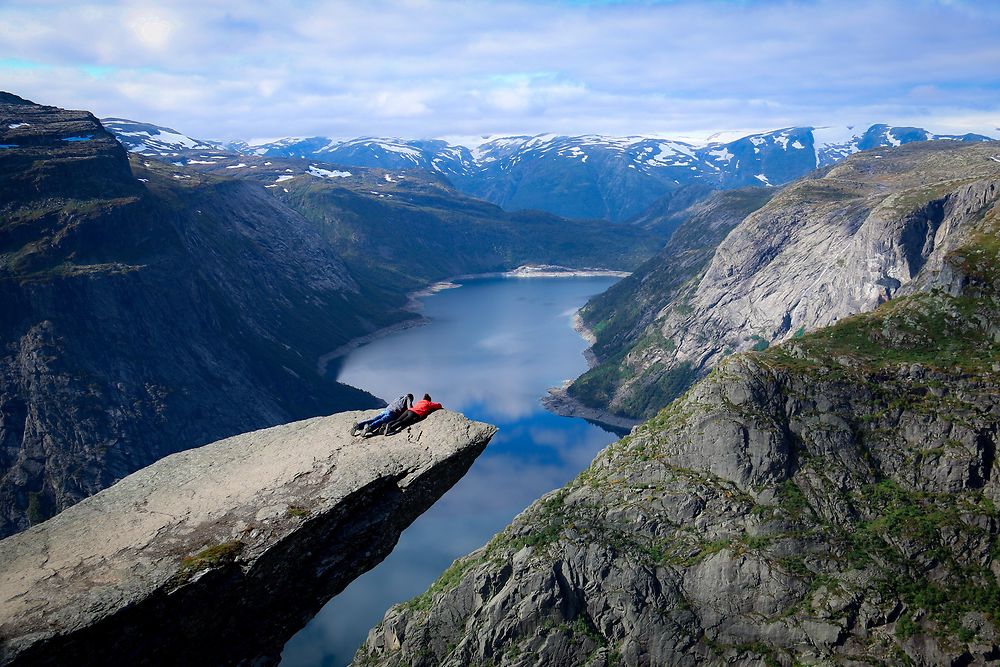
443	67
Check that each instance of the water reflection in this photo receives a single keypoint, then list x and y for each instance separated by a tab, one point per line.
491	350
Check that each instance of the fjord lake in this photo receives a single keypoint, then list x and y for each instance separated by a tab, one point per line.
491	349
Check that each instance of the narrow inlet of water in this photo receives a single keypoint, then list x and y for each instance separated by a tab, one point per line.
491	350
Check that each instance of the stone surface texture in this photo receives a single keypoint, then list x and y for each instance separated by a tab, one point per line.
216	555
831	500
823	248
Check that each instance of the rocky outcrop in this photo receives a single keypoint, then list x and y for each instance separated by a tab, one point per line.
832	500
821	249
146	311
218	554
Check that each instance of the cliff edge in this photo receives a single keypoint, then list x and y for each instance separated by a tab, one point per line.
217	555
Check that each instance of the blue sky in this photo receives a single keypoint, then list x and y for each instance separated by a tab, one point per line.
430	68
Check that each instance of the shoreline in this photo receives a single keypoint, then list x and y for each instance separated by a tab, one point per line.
413	304
324	360
558	401
524	271
587	335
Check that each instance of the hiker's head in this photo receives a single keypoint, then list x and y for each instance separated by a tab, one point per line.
410	397
427	397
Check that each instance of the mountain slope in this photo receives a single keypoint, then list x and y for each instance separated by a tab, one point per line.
152	140
819	250
403	229
393	154
829	501
147	311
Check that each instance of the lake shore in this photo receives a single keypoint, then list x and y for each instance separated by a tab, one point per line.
558	400
413	304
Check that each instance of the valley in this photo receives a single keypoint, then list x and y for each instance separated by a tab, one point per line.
802	355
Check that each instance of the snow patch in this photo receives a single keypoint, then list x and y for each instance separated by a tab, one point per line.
284	177
326	173
721	154
236	166
14	126
763	179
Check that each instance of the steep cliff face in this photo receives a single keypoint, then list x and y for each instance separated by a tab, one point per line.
830	500
217	555
821	249
146	311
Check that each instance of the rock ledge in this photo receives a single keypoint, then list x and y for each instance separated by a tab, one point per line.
218	554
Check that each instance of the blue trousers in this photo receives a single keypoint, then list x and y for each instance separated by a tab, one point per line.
381	418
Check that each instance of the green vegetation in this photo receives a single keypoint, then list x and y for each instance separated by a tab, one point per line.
448	580
210	558
35	513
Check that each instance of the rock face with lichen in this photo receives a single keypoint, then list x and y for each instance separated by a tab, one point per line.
821	249
217	555
830	500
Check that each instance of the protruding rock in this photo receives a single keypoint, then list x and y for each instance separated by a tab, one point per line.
216	555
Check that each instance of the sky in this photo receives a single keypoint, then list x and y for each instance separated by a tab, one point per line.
443	68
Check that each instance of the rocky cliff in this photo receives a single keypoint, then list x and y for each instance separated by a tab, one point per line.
819	250
217	555
146	311
832	500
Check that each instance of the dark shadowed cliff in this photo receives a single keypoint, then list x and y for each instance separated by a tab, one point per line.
143	317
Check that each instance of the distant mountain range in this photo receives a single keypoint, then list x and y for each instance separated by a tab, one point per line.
585	176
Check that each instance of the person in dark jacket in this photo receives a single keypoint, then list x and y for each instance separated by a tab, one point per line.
368	427
417	411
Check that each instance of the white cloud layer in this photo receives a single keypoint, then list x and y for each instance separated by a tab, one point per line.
425	68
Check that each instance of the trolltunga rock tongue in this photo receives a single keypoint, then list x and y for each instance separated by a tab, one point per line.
217	555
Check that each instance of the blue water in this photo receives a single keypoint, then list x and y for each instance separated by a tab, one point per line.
491	350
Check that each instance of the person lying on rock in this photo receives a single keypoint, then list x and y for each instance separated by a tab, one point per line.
418	411
368	427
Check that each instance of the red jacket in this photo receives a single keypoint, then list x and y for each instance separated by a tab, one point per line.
424	408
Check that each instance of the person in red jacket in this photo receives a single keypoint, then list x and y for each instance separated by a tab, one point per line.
415	413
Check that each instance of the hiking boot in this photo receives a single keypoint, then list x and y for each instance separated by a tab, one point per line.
354	430
367	431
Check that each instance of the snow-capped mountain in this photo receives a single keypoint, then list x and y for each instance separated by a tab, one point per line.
153	140
433	155
584	176
835	143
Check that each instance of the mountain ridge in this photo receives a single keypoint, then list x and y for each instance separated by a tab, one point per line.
590	176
